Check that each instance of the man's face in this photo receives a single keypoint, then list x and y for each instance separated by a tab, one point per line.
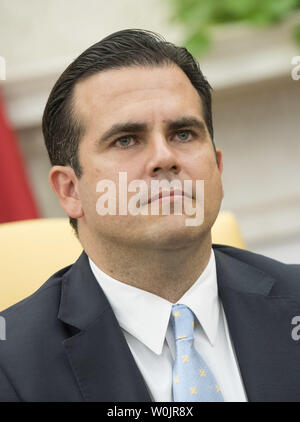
159	145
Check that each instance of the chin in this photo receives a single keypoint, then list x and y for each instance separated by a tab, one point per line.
172	232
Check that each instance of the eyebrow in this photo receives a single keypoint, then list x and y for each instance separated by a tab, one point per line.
136	127
186	122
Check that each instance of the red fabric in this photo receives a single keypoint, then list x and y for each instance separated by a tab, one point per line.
16	200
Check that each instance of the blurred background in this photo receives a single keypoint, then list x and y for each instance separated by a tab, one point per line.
245	49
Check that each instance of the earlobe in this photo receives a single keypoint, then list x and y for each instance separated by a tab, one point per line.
63	182
219	159
220	165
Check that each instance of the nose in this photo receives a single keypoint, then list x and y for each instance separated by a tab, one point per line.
163	158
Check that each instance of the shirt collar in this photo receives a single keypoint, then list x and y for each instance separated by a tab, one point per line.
202	298
147	320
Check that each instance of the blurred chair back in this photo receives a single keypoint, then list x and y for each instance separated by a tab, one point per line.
32	250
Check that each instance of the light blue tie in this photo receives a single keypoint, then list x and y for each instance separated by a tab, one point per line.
192	378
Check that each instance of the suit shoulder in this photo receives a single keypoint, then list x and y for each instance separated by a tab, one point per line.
34	338
28	322
288	273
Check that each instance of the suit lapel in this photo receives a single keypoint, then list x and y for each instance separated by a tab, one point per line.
100	358
260	328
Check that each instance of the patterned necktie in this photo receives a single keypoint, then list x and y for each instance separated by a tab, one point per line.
192	378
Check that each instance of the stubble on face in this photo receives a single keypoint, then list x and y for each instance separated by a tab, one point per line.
152	96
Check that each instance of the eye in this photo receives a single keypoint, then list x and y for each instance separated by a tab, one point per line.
124	142
184	135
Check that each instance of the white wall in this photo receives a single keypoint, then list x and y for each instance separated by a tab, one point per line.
33	32
257	126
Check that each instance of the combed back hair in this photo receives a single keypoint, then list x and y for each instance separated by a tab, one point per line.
62	130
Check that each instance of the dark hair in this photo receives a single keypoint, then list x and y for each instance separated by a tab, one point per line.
130	47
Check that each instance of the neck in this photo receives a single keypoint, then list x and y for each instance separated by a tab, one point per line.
167	273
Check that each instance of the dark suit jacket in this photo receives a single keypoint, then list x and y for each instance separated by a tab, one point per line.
63	343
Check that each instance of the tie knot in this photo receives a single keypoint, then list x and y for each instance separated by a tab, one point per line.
183	322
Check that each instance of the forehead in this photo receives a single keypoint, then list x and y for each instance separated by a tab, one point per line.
135	91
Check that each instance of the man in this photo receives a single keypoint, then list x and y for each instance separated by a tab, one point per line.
103	328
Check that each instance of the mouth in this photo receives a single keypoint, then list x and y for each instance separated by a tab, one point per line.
169	195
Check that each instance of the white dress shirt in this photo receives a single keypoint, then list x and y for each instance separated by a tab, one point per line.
145	321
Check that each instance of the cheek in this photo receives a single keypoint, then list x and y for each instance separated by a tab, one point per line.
213	190
88	195
202	166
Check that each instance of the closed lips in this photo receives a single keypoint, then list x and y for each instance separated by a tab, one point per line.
168	194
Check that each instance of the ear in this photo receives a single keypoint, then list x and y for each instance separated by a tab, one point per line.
220	165
219	159
64	183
